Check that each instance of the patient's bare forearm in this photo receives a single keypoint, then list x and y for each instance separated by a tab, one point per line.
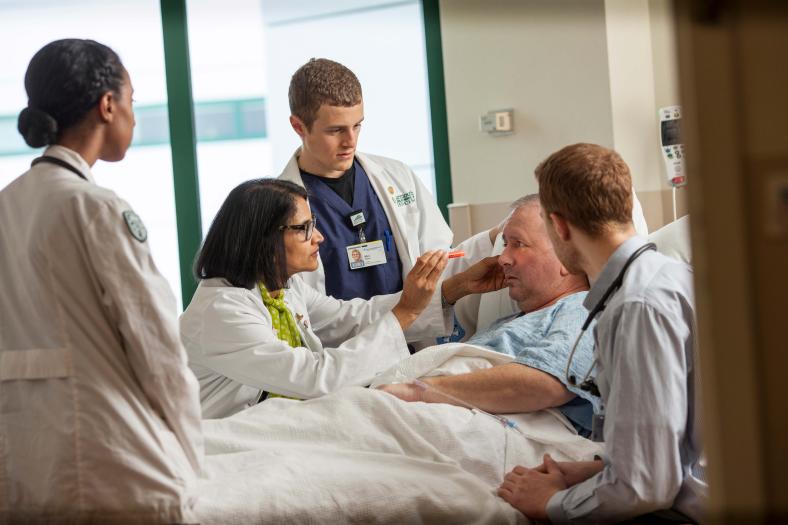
503	389
454	288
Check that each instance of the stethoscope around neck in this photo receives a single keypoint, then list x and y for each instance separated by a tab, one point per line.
58	162
588	384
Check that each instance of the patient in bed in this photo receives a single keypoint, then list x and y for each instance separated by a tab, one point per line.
360	455
539	338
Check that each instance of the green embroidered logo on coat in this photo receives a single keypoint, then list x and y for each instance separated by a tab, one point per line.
135	226
404	199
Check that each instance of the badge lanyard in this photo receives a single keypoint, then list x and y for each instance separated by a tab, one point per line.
366	253
357	220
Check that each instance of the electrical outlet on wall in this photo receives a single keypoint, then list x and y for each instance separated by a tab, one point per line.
497	122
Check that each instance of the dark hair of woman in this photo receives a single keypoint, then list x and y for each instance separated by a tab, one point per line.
64	81
245	244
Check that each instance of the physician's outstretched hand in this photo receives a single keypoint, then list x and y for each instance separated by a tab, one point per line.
419	285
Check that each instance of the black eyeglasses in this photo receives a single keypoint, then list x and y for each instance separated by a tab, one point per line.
308	227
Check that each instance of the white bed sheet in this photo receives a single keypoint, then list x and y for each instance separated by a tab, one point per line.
363	456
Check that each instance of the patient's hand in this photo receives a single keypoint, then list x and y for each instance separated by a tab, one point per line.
404	391
484	276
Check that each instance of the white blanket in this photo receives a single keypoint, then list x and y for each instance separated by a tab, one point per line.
363	456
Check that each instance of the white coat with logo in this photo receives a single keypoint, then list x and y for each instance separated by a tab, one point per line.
99	413
417	224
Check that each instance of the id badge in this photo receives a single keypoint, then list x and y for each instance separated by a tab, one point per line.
366	254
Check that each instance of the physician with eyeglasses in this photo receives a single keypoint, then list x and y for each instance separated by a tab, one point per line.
252	332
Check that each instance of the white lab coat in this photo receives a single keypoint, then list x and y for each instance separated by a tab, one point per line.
99	414
236	354
417	227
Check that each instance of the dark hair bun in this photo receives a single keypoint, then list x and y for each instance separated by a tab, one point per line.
37	127
64	81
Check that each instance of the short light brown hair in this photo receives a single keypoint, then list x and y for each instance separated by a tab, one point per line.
588	185
321	81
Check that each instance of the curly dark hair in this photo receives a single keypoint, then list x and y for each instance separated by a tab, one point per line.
64	81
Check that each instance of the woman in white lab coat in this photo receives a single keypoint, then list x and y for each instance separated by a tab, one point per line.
251	331
99	414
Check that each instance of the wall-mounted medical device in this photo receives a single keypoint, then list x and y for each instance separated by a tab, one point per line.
672	147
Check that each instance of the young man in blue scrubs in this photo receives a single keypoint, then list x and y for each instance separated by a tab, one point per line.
376	214
646	372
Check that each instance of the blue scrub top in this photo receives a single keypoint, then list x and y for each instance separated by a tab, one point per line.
332	214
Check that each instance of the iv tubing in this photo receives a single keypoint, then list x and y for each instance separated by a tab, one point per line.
506	422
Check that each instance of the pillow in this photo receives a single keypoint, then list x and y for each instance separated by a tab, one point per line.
673	240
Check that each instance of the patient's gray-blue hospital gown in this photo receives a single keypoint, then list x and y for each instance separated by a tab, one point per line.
543	340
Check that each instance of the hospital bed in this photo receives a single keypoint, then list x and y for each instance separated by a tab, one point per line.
363	456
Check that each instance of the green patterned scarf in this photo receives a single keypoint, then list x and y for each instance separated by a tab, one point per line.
283	323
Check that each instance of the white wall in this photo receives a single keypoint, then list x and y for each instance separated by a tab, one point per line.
632	90
547	59
663	50
642	60
574	71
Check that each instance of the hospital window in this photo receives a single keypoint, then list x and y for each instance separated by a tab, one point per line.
249	49
144	177
241	56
